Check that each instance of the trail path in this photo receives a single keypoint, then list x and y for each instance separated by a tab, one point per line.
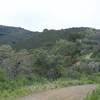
69	93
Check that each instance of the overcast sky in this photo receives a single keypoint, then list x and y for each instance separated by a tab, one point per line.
37	15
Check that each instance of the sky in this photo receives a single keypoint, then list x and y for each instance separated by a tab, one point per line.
37	15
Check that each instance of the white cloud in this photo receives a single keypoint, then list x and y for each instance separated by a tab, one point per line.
40	14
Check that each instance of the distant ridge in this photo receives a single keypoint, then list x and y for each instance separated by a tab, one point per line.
21	38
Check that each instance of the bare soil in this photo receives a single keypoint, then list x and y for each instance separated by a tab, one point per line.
69	93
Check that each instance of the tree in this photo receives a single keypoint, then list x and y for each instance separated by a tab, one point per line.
46	64
74	36
6	51
18	63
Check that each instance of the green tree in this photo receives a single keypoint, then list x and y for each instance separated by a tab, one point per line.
47	64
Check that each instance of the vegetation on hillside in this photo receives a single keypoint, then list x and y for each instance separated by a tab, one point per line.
20	38
56	58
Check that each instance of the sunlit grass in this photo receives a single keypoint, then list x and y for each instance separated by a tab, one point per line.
26	90
95	95
23	87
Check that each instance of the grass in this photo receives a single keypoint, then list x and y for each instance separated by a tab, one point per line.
25	90
22	87
95	95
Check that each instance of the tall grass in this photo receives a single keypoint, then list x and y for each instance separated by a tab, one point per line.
9	90
95	95
10	93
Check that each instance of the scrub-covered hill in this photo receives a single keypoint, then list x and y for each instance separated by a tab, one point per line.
21	38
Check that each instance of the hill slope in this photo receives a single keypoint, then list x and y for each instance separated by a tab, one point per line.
14	35
21	38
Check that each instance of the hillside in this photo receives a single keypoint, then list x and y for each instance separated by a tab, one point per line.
14	35
21	38
51	59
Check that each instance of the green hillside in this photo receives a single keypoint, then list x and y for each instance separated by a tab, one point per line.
15	35
34	61
21	38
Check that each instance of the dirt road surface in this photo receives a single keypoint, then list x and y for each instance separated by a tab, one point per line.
69	93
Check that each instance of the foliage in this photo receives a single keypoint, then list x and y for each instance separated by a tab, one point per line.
57	58
17	88
95	95
20	38
49	65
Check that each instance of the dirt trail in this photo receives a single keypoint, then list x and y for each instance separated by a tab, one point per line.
69	93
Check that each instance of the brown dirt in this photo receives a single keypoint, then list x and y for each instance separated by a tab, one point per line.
69	93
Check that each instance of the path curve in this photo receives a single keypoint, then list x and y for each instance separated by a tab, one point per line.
69	93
